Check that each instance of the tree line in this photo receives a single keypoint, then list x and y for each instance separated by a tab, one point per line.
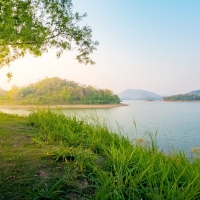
55	91
182	97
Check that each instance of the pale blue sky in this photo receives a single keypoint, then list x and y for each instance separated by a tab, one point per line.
151	45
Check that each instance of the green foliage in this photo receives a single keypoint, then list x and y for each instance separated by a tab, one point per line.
55	91
47	192
26	172
183	97
119	169
85	160
34	26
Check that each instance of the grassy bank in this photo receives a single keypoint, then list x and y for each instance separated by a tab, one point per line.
50	156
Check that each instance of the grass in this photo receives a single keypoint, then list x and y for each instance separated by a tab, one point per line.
50	156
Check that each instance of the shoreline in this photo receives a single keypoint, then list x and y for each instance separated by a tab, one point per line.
62	106
181	101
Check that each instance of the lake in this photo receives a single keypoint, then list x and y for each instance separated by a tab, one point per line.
177	123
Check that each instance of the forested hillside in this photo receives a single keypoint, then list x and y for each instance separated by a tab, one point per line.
55	91
197	92
182	97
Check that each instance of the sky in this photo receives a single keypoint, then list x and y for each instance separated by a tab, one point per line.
149	45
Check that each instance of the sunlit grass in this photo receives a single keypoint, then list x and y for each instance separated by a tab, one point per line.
91	162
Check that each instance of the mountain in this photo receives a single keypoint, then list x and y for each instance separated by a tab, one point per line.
131	94
190	96
196	92
183	97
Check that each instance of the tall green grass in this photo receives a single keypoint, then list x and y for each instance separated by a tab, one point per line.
114	166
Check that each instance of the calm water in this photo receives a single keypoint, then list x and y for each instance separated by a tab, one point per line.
177	123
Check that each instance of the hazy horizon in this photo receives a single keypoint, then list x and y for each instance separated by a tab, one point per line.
147	45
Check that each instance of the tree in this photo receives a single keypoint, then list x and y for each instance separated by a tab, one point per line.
58	91
34	26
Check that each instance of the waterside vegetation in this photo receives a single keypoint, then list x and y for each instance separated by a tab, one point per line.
55	91
51	156
182	97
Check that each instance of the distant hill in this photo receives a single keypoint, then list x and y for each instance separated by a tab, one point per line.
55	91
183	97
190	96
196	92
131	94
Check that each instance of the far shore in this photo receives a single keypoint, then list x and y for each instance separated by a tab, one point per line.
63	106
181	101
